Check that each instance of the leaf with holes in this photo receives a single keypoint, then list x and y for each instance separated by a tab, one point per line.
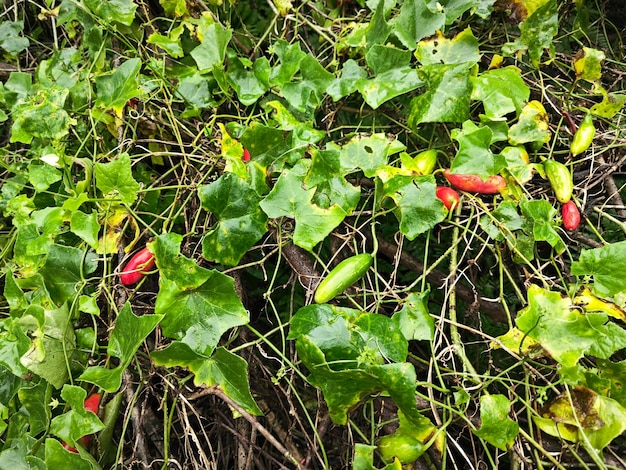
441	50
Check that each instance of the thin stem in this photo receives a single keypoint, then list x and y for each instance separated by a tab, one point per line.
455	336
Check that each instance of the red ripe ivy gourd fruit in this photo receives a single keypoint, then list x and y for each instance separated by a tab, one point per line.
571	215
137	267
448	196
475	184
246	155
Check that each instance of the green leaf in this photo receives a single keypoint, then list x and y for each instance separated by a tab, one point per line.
42	116
128	334
502	91
441	50
17	88
611	339
537	30
611	374
250	85
388	85
345	350
368	153
268	146
20	208
36	398
196	89
474	156
199	305
337	191
532	125
497	427
77	422
113	11
10	39
310	91
346	388
304	134
517	163
62	69
64	269
49	221
170	44
212	50
289	57
59	458
42	176
86	226
348	337
290	199
325	165
564	333
414	318
484	8
540	216
416	21
116	179
223	368
15	458
240	221
364	459
418	208
52	345
382	59
365	35
116	88
454	9
348	82
508	221
89	304
604	264
13	345
13	294
446	97
230	372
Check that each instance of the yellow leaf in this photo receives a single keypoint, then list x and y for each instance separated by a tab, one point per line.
115	225
588	64
584	298
496	62
517	341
